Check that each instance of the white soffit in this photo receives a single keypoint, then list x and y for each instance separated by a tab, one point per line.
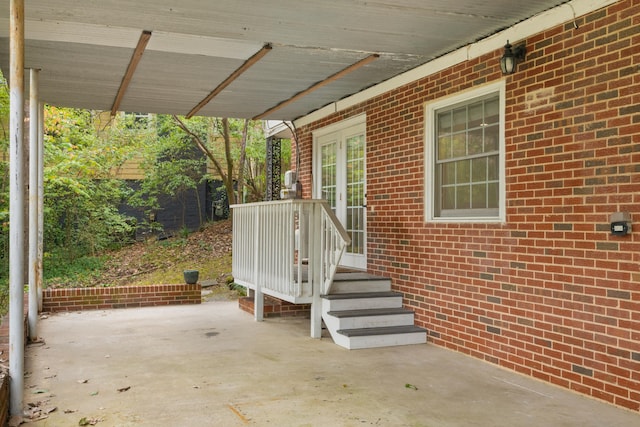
75	32
202	45
534	25
161	41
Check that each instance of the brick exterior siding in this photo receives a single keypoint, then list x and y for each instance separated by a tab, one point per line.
551	293
274	307
73	299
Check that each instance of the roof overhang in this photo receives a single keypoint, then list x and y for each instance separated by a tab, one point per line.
315	53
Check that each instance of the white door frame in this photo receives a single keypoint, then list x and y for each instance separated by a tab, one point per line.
339	132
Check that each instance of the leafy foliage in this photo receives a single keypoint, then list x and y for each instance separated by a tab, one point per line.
82	271
84	149
81	196
172	166
237	150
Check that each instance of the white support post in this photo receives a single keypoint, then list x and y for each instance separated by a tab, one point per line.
315	270
258	297
16	207
34	162
258	304
40	275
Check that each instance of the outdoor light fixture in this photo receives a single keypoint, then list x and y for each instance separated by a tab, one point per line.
511	57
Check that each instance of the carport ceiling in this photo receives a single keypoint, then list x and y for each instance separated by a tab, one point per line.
84	48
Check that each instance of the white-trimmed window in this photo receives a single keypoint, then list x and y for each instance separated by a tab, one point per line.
464	152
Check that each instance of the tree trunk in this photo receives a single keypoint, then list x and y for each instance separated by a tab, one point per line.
227	178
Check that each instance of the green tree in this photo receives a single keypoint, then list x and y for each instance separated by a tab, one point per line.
81	196
172	167
237	150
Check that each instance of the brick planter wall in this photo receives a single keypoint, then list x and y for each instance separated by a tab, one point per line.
274	307
72	299
4	399
550	293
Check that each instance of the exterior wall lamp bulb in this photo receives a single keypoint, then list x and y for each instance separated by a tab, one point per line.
511	57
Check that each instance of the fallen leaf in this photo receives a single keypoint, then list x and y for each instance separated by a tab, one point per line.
70	411
84	421
411	386
83	381
40	391
124	389
95	393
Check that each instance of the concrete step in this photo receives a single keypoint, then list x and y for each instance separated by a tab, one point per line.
371	318
380	337
362	300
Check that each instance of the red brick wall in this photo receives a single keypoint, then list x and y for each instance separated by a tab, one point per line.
551	293
4	399
274	307
71	299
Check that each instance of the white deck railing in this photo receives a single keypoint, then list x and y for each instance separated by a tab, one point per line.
288	249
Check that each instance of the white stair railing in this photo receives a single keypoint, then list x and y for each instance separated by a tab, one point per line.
334	241
288	249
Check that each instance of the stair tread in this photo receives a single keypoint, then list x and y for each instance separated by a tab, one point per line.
383	330
348	277
370	312
355	295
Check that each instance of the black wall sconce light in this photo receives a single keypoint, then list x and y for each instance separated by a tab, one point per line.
511	57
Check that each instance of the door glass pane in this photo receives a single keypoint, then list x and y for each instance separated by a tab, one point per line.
355	148
328	178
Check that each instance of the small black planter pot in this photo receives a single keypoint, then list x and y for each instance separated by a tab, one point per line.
191	277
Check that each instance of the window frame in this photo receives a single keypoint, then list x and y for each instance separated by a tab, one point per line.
431	109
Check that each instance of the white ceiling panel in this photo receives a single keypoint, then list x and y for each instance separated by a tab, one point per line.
84	48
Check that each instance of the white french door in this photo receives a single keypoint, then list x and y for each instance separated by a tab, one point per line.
340	178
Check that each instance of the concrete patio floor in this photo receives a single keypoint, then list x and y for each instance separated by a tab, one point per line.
212	365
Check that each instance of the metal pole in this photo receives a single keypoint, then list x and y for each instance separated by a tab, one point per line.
16	207
34	128
40	276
